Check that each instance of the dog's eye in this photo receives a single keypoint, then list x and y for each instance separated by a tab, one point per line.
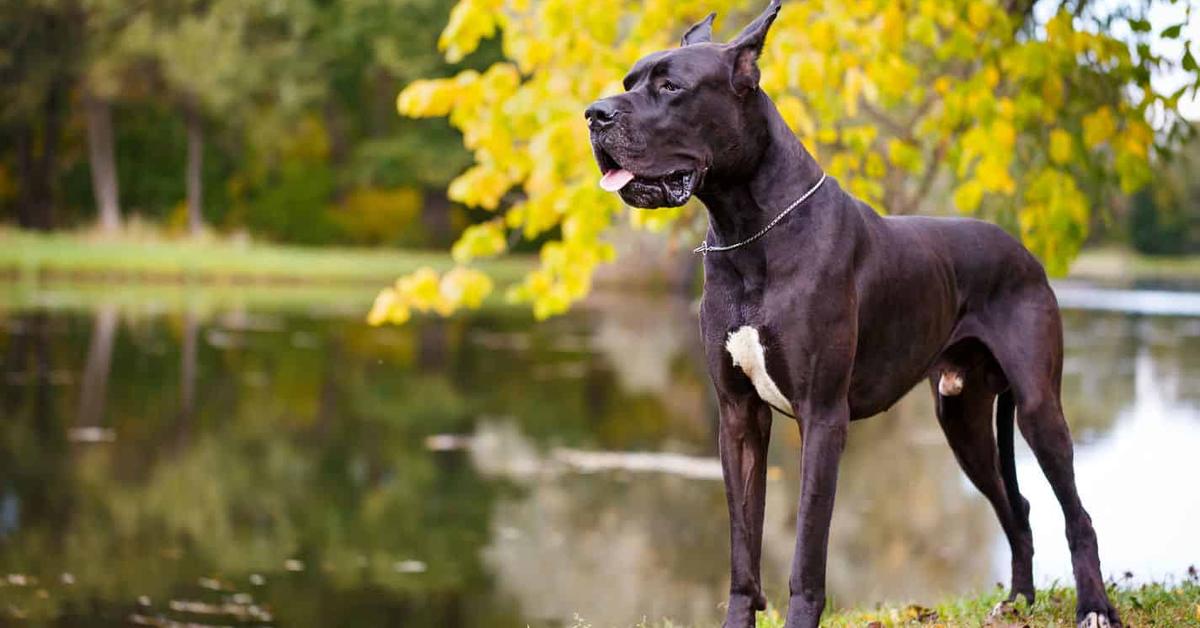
668	87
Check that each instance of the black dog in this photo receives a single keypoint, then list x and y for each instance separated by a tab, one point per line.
819	307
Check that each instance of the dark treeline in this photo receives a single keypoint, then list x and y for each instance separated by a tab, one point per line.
276	118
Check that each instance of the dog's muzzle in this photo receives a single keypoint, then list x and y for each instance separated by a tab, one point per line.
671	189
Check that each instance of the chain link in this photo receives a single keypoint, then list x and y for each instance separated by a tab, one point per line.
704	247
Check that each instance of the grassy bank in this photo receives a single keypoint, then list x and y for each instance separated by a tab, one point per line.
1148	605
1176	604
154	258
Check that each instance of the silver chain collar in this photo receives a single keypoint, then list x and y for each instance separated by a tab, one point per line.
704	247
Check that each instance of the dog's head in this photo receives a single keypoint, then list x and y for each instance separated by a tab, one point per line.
686	114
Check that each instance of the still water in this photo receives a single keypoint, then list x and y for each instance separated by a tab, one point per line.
253	459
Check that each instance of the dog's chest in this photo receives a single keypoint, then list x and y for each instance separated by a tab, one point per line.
738	320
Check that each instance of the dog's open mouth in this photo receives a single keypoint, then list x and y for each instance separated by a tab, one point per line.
670	190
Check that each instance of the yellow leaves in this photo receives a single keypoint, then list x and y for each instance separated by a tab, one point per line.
796	116
387	308
905	156
858	138
471	21
1060	30
978	15
425	291
564	277
894	77
968	196
1133	171
427	98
485	239
1062	146
1004	136
1052	93
1132	155
466	287
1098	127
991	76
1054	218
894	25
986	155
479	186
1137	138
822	37
997	103
993	176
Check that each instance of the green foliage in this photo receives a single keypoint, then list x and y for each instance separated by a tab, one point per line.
1164	218
291	206
1029	122
262	74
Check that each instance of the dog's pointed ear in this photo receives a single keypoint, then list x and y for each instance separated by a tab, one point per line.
747	47
700	32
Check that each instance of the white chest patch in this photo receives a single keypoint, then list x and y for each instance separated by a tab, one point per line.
747	352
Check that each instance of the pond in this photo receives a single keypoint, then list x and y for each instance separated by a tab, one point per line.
261	457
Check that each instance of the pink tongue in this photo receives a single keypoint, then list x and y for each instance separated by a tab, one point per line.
614	180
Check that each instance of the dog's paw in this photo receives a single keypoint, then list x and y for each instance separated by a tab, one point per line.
1095	620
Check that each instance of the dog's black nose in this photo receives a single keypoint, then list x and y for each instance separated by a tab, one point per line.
601	114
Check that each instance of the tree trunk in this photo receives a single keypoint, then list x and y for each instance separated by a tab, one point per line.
37	170
435	216
94	387
102	159
187	377
195	169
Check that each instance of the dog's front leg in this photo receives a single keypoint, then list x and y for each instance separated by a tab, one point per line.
824	437
744	434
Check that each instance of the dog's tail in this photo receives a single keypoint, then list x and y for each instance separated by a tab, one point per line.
1005	415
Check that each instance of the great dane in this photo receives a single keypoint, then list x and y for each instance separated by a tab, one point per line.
818	307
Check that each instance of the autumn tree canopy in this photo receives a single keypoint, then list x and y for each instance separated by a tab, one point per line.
1030	117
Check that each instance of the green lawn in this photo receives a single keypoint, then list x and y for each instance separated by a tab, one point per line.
156	258
1149	605
84	256
1172	606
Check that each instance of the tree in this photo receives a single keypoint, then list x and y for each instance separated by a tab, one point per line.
1164	218
102	160
37	68
101	80
1029	121
226	59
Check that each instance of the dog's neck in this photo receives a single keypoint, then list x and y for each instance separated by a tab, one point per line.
739	207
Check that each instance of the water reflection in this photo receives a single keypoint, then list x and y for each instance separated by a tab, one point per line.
283	463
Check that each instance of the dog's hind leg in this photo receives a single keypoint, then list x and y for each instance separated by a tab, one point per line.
1029	350
1042	424
966	419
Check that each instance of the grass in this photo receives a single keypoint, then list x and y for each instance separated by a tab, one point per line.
146	255
1149	605
1173	604
150	257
